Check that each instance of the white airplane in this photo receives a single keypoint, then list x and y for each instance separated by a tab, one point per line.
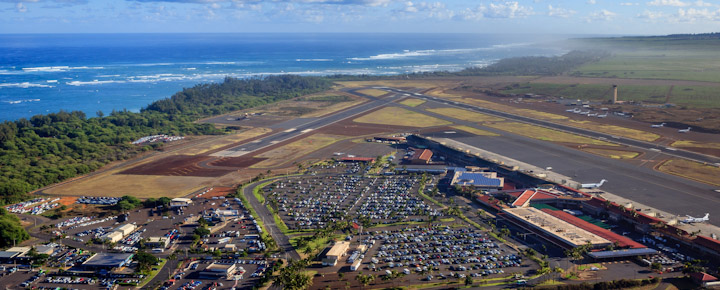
338	153
684	130
602	116
658	126
593	115
593	185
690	220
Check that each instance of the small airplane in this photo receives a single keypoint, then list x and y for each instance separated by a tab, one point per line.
658	125
690	220
593	115
684	130
602	116
338	153
593	185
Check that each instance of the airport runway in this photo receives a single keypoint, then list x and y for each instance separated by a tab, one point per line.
607	137
662	191
299	127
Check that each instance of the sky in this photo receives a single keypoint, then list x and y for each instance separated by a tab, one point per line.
622	17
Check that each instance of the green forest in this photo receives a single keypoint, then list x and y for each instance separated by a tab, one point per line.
50	148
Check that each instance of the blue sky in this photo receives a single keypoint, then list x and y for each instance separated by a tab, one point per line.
464	16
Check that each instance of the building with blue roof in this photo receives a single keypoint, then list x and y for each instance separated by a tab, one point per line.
480	180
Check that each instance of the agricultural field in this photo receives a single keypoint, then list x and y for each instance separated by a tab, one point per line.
691	170
294	150
466	115
400	117
474	131
412	102
545	134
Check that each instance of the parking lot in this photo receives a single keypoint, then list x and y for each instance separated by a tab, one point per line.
311	203
446	250
248	273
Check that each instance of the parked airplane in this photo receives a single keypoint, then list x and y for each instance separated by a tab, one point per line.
338	153
593	185
684	130
602	116
593	115
658	126
690	220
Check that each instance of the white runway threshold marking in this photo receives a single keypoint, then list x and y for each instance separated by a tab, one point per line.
229	153
290	130
306	130
274	142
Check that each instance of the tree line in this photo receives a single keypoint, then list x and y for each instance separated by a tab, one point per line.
47	149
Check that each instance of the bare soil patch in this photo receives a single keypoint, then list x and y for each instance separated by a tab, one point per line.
177	165
240	162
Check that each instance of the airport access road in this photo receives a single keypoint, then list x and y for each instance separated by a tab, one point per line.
306	126
606	137
283	241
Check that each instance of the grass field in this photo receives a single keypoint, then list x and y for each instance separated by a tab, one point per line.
648	94
412	102
687	143
671	64
294	150
614	154
373	92
441	93
400	117
691	170
140	186
615	130
474	131
465	115
225	141
394	83
542	133
504	108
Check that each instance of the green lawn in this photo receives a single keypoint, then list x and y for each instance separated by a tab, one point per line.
153	273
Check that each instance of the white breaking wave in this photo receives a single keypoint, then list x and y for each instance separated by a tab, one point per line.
94	82
22	101
58	68
314	59
24	85
428	52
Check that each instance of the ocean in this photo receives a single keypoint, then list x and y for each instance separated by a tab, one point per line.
44	73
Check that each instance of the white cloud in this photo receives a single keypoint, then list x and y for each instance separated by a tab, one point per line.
502	10
675	3
560	12
651	15
702	3
21	7
591	2
629	4
692	15
602	15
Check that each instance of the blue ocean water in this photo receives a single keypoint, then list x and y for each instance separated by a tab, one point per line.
43	73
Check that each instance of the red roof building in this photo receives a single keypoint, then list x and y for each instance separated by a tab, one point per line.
421	156
622	241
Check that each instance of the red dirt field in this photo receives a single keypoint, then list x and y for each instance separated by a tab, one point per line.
177	165
236	161
349	128
218	191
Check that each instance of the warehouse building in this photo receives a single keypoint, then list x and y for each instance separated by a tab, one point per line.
107	261
218	271
335	253
157	242
479	180
180	202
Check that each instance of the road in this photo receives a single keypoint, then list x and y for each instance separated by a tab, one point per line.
283	241
593	134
